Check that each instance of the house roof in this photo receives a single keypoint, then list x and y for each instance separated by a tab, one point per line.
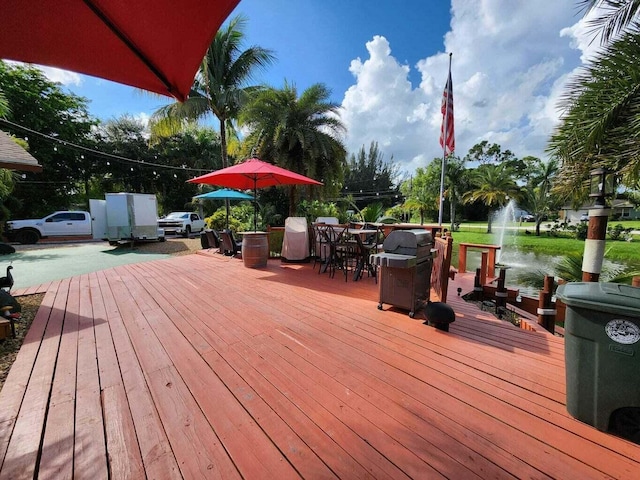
14	157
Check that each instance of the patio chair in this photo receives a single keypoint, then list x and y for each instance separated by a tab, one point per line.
212	238
365	248
339	249
230	246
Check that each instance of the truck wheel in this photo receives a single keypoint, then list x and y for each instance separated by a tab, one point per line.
187	231
28	237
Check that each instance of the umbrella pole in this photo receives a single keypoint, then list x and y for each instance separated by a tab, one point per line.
226	203
255	205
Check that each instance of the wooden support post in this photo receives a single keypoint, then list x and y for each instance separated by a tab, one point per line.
477	286
462	258
546	312
635	282
594	244
501	292
491	263
483	267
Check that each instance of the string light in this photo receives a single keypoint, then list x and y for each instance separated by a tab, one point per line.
97	152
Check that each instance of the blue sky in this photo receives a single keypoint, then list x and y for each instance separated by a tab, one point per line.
386	64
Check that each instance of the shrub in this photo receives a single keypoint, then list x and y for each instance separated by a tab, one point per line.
618	232
581	231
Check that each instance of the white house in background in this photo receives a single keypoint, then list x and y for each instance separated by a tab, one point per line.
621	209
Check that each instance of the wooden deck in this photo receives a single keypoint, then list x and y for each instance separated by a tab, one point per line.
197	367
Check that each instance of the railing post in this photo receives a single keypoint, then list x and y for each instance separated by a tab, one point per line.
635	282
477	285
462	258
501	292
491	265
546	314
483	267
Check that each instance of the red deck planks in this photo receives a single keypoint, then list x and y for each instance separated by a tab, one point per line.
197	367
155	450
24	448
90	459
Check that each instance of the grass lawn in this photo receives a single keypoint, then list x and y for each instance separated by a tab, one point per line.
617	251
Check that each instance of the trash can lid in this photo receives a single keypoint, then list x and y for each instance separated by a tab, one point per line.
608	297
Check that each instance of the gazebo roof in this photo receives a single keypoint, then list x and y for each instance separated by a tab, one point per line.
14	157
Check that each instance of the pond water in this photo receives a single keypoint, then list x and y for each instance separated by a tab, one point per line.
518	263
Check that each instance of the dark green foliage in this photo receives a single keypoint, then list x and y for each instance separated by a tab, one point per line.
369	178
39	104
581	231
618	232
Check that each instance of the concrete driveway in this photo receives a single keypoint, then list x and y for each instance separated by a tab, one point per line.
36	264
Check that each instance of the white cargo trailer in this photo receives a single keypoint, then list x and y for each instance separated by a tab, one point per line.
125	217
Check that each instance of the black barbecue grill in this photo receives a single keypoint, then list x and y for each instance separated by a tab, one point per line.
405	269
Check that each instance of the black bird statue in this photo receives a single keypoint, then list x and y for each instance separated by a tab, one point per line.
439	315
7	282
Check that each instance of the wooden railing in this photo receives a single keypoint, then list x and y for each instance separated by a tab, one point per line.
491	260
441	267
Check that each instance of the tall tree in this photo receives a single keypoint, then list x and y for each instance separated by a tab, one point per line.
494	186
162	168
538	197
368	174
4	105
422	190
301	133
456	183
614	16
600	122
485	153
221	86
40	105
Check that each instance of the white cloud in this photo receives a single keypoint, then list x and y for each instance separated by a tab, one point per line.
64	77
511	61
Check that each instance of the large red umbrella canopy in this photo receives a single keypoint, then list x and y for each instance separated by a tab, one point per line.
155	45
254	173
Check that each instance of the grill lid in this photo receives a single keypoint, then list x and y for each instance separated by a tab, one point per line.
408	242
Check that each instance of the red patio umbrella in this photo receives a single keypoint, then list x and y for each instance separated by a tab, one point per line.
155	45
254	173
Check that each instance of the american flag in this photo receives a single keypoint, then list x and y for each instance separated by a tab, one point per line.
447	140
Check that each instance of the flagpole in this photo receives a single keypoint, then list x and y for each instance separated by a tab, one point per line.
444	147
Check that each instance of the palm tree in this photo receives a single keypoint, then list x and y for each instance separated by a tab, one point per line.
494	186
301	134
537	196
456	182
4	105
220	86
600	124
614	17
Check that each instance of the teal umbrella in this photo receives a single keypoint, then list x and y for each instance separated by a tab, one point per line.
225	194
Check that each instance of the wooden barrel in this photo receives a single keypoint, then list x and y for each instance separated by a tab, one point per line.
255	249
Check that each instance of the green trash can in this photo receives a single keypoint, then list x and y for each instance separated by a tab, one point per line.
602	355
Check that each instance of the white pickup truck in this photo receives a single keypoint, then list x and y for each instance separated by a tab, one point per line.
181	223
58	224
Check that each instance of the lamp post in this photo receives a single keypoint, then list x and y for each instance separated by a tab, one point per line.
601	184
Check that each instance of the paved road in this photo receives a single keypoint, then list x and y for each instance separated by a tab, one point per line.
33	265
